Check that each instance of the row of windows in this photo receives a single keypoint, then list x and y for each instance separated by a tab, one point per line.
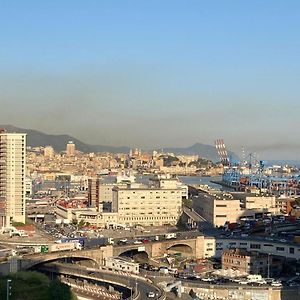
157	192
148	218
143	197
255	246
231	261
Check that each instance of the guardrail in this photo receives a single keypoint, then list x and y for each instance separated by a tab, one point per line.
89	289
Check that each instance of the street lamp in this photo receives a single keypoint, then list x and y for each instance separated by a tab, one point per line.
8	288
268	265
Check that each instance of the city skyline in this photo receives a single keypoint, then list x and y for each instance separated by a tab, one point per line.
154	74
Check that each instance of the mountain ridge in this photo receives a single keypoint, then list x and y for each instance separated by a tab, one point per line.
37	138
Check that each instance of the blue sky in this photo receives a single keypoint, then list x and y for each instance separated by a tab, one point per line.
155	73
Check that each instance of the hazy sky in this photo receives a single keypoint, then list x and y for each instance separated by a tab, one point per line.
155	73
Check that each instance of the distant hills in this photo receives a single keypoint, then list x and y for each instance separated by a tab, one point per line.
203	150
59	141
36	138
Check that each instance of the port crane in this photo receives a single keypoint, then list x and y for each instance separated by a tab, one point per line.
222	152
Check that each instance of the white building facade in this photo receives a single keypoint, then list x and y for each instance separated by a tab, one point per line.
12	177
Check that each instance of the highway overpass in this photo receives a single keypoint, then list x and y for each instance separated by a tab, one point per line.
138	285
190	247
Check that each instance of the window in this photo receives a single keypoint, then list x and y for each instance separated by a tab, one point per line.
280	249
221	205
221	216
254	246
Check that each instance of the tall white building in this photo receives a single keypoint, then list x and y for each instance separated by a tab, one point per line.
12	177
70	149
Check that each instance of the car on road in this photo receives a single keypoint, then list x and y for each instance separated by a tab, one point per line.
151	295
276	284
137	242
243	282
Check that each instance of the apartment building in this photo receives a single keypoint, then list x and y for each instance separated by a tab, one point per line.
93	192
167	181
219	208
12	177
131	203
260	202
285	205
147	206
70	149
245	262
100	192
48	152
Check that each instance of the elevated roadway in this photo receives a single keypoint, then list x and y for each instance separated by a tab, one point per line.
193	247
140	286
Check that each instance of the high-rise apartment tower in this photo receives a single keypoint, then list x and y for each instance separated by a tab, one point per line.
70	149
12	177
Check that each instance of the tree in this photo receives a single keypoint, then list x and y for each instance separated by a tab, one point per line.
74	221
81	224
35	285
58	290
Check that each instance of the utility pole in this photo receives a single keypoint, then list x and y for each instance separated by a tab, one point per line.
8	288
136	285
268	265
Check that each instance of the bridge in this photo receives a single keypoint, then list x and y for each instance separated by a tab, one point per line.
192	247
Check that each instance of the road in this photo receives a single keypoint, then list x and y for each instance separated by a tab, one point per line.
193	214
126	280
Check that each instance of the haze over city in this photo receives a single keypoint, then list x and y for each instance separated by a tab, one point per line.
149	150
154	74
